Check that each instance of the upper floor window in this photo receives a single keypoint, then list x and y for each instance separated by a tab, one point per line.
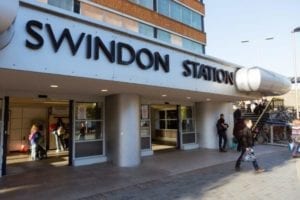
146	3
66	4
180	13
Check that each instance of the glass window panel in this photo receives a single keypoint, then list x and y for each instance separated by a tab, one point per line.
146	30
88	130
147	3
176	40
196	21
186	16
198	48
186	112
188	125
88	111
172	114
162	114
91	11
172	124
187	44
164	36
163	7
162	124
65	4
176	11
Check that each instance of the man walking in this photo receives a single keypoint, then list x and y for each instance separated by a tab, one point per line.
222	128
246	142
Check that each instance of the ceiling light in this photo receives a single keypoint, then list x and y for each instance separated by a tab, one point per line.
208	99
188	97
54	86
104	90
164	95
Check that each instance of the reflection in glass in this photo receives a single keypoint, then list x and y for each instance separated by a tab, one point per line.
88	111
172	124
88	130
186	15
176	11
163	36
163	7
171	114
66	4
186	112
188	125
146	30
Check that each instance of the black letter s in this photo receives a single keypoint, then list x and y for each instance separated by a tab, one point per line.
39	39
187	70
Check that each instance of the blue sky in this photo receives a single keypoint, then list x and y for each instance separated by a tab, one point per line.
229	22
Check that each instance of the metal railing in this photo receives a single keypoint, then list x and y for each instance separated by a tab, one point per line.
262	114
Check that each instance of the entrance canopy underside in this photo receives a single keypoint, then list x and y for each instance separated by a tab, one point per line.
32	84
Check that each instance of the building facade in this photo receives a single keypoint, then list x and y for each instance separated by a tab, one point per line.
124	76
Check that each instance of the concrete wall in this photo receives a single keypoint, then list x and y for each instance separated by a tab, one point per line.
207	114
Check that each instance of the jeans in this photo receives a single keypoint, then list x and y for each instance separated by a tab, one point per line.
33	152
239	160
222	136
58	142
295	149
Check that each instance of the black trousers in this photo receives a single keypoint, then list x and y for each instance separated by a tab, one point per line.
222	139
239	160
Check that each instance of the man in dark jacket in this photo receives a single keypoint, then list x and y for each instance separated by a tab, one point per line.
222	128
246	142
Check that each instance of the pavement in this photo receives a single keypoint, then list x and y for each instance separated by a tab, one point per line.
195	174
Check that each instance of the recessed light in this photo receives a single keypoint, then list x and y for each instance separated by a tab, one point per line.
54	86
164	95
104	90
188	97
208	99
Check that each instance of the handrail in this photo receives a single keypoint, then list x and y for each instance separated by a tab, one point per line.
262	114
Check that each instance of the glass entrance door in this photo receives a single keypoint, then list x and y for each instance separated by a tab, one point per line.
88	134
187	131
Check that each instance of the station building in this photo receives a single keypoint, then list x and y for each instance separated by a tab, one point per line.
133	74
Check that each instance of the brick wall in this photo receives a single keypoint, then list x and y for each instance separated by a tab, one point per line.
147	15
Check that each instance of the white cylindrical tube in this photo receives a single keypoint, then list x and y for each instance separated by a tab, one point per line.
256	79
8	14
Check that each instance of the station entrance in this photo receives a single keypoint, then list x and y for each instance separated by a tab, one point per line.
51	119
165	127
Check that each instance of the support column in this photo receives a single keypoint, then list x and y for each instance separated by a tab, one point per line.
122	116
207	114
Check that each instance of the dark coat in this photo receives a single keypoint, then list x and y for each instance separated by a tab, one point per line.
238	128
246	139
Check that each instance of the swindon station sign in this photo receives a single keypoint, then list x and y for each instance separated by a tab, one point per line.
115	52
